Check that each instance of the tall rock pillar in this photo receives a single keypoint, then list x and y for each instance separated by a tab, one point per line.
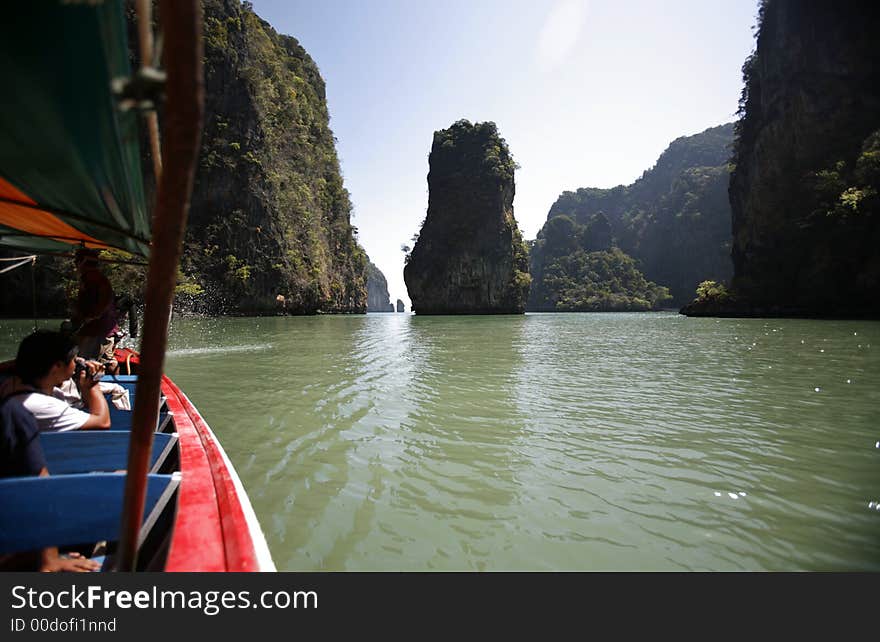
469	257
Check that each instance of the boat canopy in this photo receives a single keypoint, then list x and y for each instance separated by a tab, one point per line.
70	166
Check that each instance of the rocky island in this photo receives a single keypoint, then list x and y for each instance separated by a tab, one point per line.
670	230
469	257
378	299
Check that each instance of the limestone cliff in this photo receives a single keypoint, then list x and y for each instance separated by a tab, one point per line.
578	269
400	306
804	191
469	257
378	299
674	221
270	215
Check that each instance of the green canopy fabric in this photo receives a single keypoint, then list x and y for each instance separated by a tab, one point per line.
69	158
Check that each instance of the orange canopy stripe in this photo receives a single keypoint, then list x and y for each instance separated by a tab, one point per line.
17	210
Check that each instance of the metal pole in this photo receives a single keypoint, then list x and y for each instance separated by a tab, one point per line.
185	93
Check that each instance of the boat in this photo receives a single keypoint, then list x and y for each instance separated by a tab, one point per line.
157	487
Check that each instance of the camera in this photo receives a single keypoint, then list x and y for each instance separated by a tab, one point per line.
82	366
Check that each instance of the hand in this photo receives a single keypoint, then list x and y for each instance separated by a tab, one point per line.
70	563
87	378
82	380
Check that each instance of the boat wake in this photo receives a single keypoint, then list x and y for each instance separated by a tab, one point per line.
183	352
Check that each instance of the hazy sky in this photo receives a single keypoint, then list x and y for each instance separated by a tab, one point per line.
586	93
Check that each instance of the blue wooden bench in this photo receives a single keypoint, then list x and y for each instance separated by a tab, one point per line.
124	380
66	510
128	382
121	419
86	451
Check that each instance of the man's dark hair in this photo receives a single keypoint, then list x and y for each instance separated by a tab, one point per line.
38	352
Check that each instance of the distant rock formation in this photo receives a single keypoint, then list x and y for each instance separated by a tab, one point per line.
805	191
582	271
400	306
674	221
469	257
378	299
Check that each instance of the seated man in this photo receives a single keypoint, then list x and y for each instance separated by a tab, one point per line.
45	361
116	394
94	314
21	455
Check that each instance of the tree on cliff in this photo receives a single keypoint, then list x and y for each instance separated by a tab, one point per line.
674	220
469	257
602	281
581	271
806	219
270	214
596	236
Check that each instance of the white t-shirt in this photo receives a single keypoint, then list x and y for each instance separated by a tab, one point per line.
118	395
53	414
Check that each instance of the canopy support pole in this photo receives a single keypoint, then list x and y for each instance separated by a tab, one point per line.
185	93
145	43
34	289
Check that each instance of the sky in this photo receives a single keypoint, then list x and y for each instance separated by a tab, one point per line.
587	93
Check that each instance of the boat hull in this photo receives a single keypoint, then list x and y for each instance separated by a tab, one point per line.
215	528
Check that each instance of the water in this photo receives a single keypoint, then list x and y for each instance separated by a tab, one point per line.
546	441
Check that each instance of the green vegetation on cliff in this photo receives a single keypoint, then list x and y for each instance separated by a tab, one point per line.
601	282
270	214
469	257
804	191
674	220
580	271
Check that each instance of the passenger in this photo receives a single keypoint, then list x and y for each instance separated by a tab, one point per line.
20	450
117	395
44	362
22	455
94	314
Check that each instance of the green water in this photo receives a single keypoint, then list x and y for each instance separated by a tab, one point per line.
545	441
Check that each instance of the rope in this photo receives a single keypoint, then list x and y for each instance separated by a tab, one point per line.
21	261
101	259
70	255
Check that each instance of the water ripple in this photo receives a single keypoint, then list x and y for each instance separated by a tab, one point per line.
548	441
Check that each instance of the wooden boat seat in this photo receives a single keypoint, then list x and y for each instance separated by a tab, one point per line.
85	451
123	380
66	510
121	420
129	382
